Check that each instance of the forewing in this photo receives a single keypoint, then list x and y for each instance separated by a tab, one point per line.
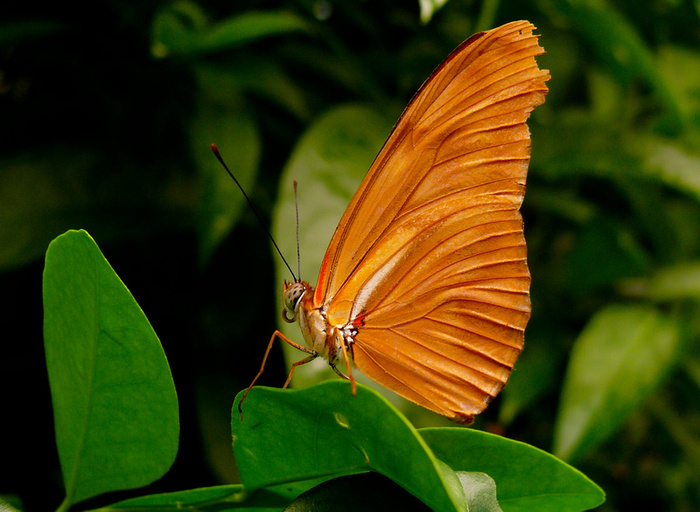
429	260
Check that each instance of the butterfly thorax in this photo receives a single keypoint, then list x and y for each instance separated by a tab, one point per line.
320	336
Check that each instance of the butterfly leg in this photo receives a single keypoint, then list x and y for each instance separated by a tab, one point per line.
313	356
277	334
347	363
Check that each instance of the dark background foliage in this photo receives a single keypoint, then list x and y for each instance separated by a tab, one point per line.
107	113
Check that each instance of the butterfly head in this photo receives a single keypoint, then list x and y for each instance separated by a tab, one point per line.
292	296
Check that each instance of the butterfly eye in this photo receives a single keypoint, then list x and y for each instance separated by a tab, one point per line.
292	299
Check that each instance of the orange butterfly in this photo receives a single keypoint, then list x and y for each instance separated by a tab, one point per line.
425	285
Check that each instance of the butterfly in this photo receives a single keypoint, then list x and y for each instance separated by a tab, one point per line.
425	286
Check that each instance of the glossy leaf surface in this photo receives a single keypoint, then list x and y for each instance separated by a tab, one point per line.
115	407
618	360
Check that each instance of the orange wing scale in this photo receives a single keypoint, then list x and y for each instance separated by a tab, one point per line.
429	259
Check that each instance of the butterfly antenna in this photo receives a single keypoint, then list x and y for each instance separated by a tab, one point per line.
296	209
215	150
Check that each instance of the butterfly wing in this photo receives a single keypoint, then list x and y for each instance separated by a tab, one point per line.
429	259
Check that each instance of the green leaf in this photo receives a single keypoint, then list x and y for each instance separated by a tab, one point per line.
618	360
174	28
480	490
115	407
10	503
672	162
680	281
322	432
248	27
428	8
328	162
181	29
526	477
682	63
220	498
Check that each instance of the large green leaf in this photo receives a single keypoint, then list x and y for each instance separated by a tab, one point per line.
115	407
617	361
322	432
526	477
308	436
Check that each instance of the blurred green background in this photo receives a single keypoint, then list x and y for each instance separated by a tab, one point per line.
107	113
